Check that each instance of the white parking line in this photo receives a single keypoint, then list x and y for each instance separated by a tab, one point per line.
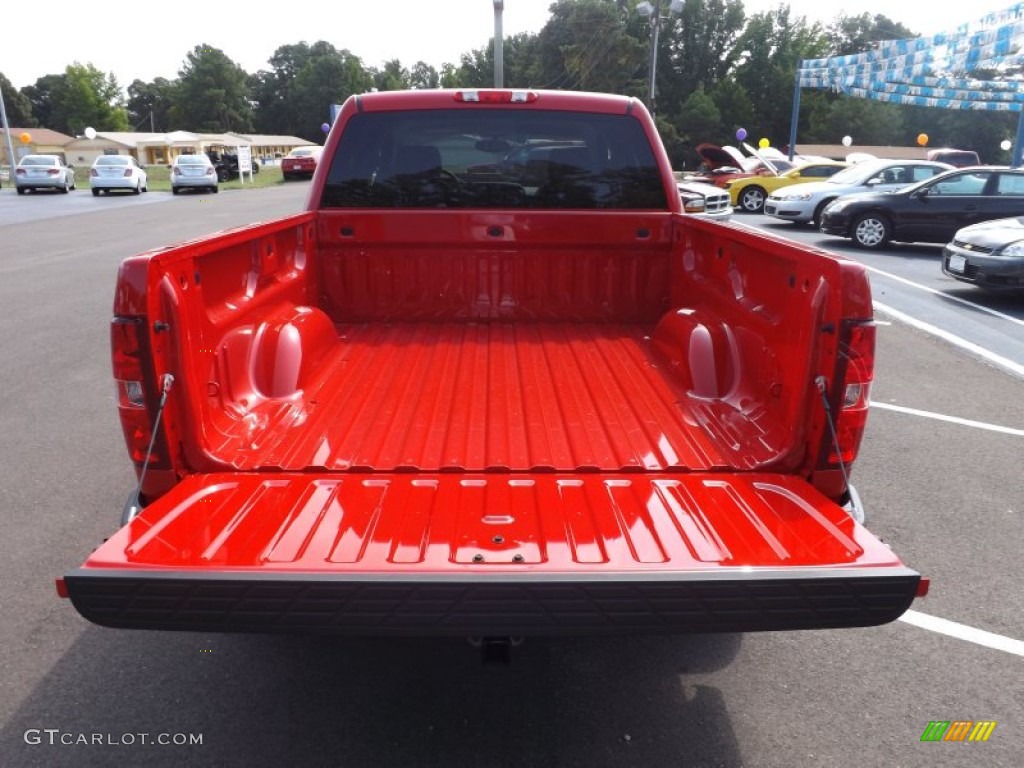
998	360
950	419
964	632
943	294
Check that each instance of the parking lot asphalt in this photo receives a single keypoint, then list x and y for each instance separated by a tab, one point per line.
946	495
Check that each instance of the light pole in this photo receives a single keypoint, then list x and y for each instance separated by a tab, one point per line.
653	12
499	45
7	136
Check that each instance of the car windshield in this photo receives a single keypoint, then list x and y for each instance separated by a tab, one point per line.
113	160
857	174
39	161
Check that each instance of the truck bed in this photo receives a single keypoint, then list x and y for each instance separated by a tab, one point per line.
507	396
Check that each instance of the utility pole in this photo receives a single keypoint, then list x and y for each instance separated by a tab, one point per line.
7	134
499	45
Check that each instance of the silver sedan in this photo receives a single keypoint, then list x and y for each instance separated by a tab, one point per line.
193	172
43	172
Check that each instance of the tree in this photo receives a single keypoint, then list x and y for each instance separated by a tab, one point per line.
325	80
151	103
295	96
855	34
868	122
698	47
17	105
81	97
393	77
586	45
769	49
423	76
699	121
212	93
42	96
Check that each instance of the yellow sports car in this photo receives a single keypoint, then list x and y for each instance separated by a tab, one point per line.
749	194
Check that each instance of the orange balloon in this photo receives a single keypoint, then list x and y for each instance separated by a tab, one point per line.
26	137
922	139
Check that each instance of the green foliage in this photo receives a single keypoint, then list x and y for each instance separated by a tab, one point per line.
769	50
294	97
212	93
149	104
394	77
854	34
81	97
17	105
867	122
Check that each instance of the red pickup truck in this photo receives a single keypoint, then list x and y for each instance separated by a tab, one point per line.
469	394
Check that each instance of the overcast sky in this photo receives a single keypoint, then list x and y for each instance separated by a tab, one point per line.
145	40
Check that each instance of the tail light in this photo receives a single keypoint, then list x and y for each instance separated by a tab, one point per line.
177	171
127	346
497	97
53	172
128	172
19	172
856	372
209	171
94	172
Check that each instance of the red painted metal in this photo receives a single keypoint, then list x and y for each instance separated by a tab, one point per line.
459	392
458	523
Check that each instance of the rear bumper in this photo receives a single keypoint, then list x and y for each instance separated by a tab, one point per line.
525	604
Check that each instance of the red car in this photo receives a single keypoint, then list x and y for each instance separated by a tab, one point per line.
301	162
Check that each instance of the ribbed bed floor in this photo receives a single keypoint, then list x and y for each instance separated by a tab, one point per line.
476	396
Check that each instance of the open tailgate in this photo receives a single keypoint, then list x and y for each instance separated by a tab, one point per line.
491	554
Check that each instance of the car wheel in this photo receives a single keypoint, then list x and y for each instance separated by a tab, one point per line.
752	200
215	190
816	221
223	175
66	188
138	188
870	231
74	184
21	190
175	190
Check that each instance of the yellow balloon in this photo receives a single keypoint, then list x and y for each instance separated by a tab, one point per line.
922	139
26	137
763	143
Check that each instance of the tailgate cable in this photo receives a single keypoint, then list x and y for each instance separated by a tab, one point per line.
133	507
823	389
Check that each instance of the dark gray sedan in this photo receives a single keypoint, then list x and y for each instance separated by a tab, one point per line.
930	211
988	255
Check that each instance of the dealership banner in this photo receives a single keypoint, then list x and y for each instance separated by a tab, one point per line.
935	71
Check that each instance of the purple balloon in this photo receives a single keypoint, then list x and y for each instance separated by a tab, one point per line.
326	127
741	134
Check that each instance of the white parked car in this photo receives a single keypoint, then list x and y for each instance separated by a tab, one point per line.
43	172
804	203
705	200
110	172
193	172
